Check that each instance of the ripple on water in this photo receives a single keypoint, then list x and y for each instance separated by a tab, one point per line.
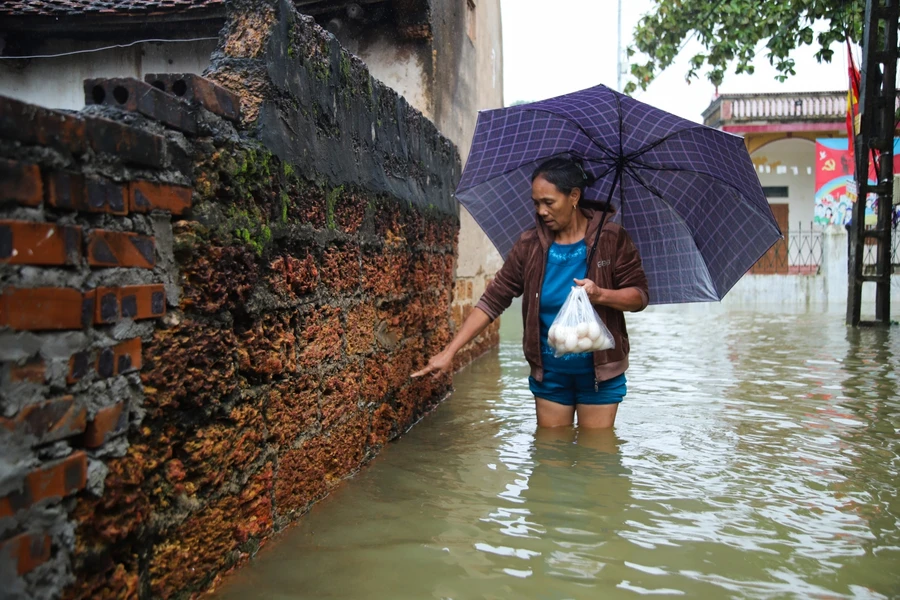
756	456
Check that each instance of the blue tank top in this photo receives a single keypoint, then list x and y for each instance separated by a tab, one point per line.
565	262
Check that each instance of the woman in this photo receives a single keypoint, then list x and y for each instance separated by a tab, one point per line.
541	267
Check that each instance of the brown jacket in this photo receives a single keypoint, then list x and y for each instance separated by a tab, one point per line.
616	265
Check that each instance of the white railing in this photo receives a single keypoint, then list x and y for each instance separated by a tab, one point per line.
832	106
796	107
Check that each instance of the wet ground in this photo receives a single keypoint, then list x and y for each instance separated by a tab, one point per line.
755	456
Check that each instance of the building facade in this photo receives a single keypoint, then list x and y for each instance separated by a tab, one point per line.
444	56
798	144
780	132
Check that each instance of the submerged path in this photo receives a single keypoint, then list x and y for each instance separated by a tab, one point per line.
756	456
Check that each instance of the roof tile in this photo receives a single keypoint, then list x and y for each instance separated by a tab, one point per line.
37	8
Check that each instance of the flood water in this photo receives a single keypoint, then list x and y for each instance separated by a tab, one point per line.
755	456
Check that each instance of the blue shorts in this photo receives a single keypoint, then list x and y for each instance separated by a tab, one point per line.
568	389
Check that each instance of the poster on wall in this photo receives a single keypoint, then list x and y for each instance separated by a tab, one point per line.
835	186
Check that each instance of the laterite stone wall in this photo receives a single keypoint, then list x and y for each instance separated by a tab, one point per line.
210	305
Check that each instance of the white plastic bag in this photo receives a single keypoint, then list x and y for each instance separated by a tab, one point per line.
577	327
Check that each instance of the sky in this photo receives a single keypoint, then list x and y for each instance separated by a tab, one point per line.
571	46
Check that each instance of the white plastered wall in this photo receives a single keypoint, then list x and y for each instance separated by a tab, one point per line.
790	163
59	82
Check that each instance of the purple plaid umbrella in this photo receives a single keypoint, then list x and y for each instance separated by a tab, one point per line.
687	194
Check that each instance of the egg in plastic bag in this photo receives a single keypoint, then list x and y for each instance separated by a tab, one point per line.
578	327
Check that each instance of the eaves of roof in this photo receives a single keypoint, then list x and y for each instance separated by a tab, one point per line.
73	8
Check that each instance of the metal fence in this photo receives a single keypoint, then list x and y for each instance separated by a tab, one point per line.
870	258
799	253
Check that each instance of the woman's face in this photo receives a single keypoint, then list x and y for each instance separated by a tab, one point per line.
554	208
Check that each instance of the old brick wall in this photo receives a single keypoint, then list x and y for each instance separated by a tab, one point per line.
467	291
211	303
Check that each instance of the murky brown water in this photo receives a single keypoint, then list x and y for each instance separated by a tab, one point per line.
756	456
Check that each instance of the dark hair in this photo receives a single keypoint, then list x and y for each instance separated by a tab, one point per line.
565	173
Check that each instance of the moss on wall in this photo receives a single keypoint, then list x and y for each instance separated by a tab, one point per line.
316	273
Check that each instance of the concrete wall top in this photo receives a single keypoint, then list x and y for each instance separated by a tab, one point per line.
305	97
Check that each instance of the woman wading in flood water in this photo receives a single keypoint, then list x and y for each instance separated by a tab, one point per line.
542	267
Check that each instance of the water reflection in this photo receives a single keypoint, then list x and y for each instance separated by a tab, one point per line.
870	402
578	494
756	456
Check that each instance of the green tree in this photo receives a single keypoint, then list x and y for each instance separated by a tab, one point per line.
733	31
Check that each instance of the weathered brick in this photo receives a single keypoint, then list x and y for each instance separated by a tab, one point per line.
204	92
26	551
120	358
269	347
189	365
32	371
128	356
293	277
292	408
341	268
107	306
20	183
136	96
301	476
105	196
220	278
456	315
38	126
107	362
50	420
65	190
224	445
383	274
124	507
106	424
350	211
210	538
36	309
125	143
360	329
88	308
79	366
130	302
27	243
384	426
50	481
340	396
321	337
145	196
104	580
143	301
376	379
120	249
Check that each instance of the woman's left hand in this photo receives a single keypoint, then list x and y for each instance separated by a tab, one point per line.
629	299
594	292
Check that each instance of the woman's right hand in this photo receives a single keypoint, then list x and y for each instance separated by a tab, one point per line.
440	363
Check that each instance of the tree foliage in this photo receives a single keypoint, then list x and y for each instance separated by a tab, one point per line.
733	31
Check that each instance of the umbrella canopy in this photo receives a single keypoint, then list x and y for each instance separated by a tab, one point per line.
687	194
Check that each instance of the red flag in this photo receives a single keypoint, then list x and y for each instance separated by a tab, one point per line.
852	99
